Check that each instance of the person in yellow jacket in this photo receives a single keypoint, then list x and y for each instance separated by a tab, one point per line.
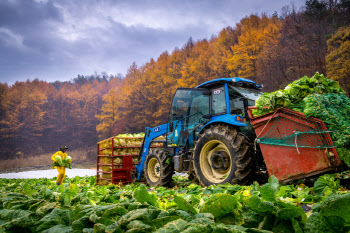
61	169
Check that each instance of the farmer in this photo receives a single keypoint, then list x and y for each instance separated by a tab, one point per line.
61	169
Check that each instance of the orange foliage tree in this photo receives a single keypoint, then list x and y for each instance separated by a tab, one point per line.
338	57
36	116
256	33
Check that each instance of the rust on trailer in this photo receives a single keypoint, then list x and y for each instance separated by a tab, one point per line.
289	163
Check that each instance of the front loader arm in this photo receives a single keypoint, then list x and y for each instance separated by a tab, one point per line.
150	134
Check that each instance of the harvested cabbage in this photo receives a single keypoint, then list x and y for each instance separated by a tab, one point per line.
59	160
62	162
292	96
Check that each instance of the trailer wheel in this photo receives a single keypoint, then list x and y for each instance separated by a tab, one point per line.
222	155
159	168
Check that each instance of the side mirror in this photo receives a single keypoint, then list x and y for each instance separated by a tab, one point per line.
171	125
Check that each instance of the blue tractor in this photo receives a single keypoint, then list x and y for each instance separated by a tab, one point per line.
208	136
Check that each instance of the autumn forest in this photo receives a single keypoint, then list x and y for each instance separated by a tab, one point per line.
37	117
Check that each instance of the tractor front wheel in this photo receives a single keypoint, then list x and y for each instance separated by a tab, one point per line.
222	155
159	168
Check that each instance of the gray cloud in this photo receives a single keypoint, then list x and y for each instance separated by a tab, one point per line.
59	39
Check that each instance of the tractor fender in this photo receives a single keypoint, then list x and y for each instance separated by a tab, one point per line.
226	119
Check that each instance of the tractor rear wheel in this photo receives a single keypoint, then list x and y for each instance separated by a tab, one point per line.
222	155
159	168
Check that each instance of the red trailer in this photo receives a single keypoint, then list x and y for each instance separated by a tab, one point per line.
294	146
115	162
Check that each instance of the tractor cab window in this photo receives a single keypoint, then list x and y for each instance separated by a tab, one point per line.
218	101
236	102
186	114
199	107
237	95
250	94
180	105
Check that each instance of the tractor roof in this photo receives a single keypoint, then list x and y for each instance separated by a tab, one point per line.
233	81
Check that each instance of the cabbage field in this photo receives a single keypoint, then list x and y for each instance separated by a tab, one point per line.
79	205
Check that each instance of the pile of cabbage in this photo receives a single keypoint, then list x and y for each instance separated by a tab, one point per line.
124	141
129	140
66	162
293	95
318	97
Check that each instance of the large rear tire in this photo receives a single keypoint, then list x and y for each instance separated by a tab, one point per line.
222	155
159	168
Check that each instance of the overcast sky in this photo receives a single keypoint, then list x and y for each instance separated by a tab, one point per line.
59	39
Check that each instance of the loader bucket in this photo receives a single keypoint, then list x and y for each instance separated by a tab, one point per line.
294	146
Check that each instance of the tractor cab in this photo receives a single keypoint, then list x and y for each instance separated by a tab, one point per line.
224	99
190	108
